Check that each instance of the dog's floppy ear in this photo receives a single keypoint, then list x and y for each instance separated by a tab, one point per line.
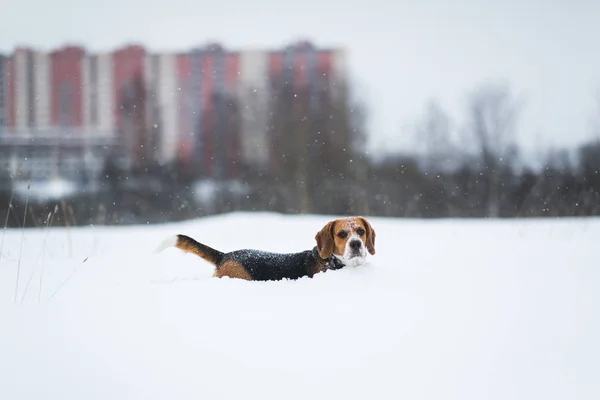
370	236
324	240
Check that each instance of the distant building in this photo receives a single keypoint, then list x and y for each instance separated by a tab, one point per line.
200	108
3	90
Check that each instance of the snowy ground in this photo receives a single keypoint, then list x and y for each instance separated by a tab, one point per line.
445	310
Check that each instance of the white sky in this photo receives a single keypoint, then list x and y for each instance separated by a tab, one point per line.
403	53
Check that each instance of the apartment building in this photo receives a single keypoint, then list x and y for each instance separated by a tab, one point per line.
201	107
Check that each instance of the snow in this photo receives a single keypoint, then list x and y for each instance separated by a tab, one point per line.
53	189
445	310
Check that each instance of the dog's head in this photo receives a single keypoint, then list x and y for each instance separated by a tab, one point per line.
348	239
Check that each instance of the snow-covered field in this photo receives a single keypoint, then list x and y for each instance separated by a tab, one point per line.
445	310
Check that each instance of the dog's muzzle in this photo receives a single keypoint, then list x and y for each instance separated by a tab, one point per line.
355	247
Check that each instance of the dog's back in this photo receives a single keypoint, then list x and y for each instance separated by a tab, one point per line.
265	266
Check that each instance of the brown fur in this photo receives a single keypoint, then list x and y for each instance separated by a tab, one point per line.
316	269
324	240
370	236
189	245
232	269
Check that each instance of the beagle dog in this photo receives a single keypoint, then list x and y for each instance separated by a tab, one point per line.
340	243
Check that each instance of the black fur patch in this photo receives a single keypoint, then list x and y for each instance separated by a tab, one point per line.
267	266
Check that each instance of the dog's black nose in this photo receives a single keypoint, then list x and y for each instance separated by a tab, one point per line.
355	244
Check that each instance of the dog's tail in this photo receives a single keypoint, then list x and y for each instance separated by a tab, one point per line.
189	245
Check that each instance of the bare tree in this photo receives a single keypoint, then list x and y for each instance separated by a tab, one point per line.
254	114
290	137
317	146
434	137
359	163
595	122
492	118
138	122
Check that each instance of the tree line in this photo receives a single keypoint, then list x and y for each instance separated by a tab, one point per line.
318	165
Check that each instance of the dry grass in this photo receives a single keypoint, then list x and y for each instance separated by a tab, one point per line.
63	211
48	224
10	207
22	241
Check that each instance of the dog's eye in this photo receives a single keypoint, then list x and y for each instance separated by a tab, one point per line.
342	234
360	231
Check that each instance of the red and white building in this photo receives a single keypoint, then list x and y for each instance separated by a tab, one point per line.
206	106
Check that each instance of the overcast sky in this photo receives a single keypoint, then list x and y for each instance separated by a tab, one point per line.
401	52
